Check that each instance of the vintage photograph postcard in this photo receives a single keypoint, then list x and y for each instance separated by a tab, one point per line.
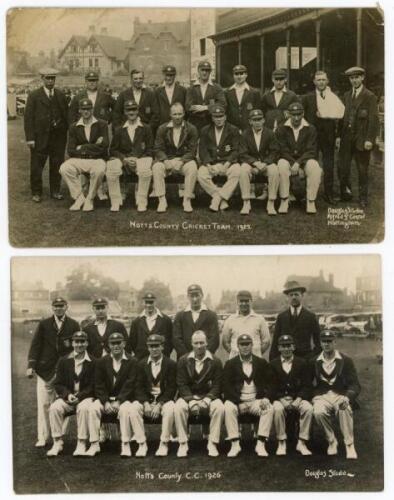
204	374
241	126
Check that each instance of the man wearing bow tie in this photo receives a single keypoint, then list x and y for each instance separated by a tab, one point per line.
298	322
195	317
199	380
51	341
155	394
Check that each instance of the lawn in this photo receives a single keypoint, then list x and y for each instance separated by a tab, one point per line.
50	224
35	473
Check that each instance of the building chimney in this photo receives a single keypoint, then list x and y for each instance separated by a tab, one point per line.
104	31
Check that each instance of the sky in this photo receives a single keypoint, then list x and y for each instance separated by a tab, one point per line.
42	29
214	274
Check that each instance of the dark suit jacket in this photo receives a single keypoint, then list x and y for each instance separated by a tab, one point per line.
228	148
296	383
184	327
238	114
233	379
302	150
164	105
360	121
346	381
89	149
37	119
148	108
208	383
168	386
213	95
139	333
103	106
165	148
305	331
97	343
124	387
272	112
326	127
49	344
64	381
121	145
269	147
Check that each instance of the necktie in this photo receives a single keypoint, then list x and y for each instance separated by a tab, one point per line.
50	94
322	94
295	314
354	95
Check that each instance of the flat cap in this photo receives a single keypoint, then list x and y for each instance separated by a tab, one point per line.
194	289
92	75
205	65
293	286
244	339
155	339
46	71
217	110
149	296
80	336
100	301
130	104
85	103
240	68
327	335
59	301
355	70
169	70
256	113
279	73
285	340
295	108
115	336
244	295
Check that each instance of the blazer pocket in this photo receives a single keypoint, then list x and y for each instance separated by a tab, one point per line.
362	113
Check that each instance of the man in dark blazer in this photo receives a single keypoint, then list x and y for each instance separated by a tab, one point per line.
298	157
155	395
131	151
219	155
201	96
74	387
45	123
143	96
51	341
359	129
169	93
336	388
298	322
175	152
276	101
100	329
293	390
247	389
199	381
88	143
103	103
195	317
323	109
259	154
241	98
150	321
114	385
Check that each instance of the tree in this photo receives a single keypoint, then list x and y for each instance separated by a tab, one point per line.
84	283
162	292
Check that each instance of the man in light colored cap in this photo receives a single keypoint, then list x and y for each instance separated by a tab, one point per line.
46	123
247	389
298	322
241	98
259	154
169	93
359	129
293	391
219	155
336	387
131	151
202	95
74	387
276	101
298	157
245	321
88	143
51	341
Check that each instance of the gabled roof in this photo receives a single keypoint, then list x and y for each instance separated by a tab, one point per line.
179	30
81	41
113	47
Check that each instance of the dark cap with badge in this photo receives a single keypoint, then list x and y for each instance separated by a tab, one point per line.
295	108
149	297
286	340
85	103
130	104
155	339
293	286
244	295
240	68
205	65
99	301
327	335
244	339
92	75
355	71
80	336
279	74
59	301
169	70
217	110
193	289
116	337
256	114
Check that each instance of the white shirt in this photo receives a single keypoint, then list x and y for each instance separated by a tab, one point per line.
329	365
87	126
132	127
92	96
196	314
239	90
287	364
169	91
329	106
218	134
203	87
357	91
293	310
248	391
155	366
176	132
101	326
78	364
199	363
296	131
257	138
278	94
247	367
59	321
49	93
117	364
151	319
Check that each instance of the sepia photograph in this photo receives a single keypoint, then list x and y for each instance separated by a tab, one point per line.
204	374
195	126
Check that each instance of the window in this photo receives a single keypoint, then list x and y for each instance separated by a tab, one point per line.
203	48
90	63
96	63
308	54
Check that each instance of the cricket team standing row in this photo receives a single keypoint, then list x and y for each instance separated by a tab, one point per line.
200	133
103	374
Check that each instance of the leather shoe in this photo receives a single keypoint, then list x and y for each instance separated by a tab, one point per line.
36	198
328	198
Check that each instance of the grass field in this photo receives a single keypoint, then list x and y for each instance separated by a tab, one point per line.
50	224
35	473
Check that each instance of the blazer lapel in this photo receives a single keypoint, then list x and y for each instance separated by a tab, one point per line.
224	135
339	364
190	364
43	97
205	369
200	319
144	325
